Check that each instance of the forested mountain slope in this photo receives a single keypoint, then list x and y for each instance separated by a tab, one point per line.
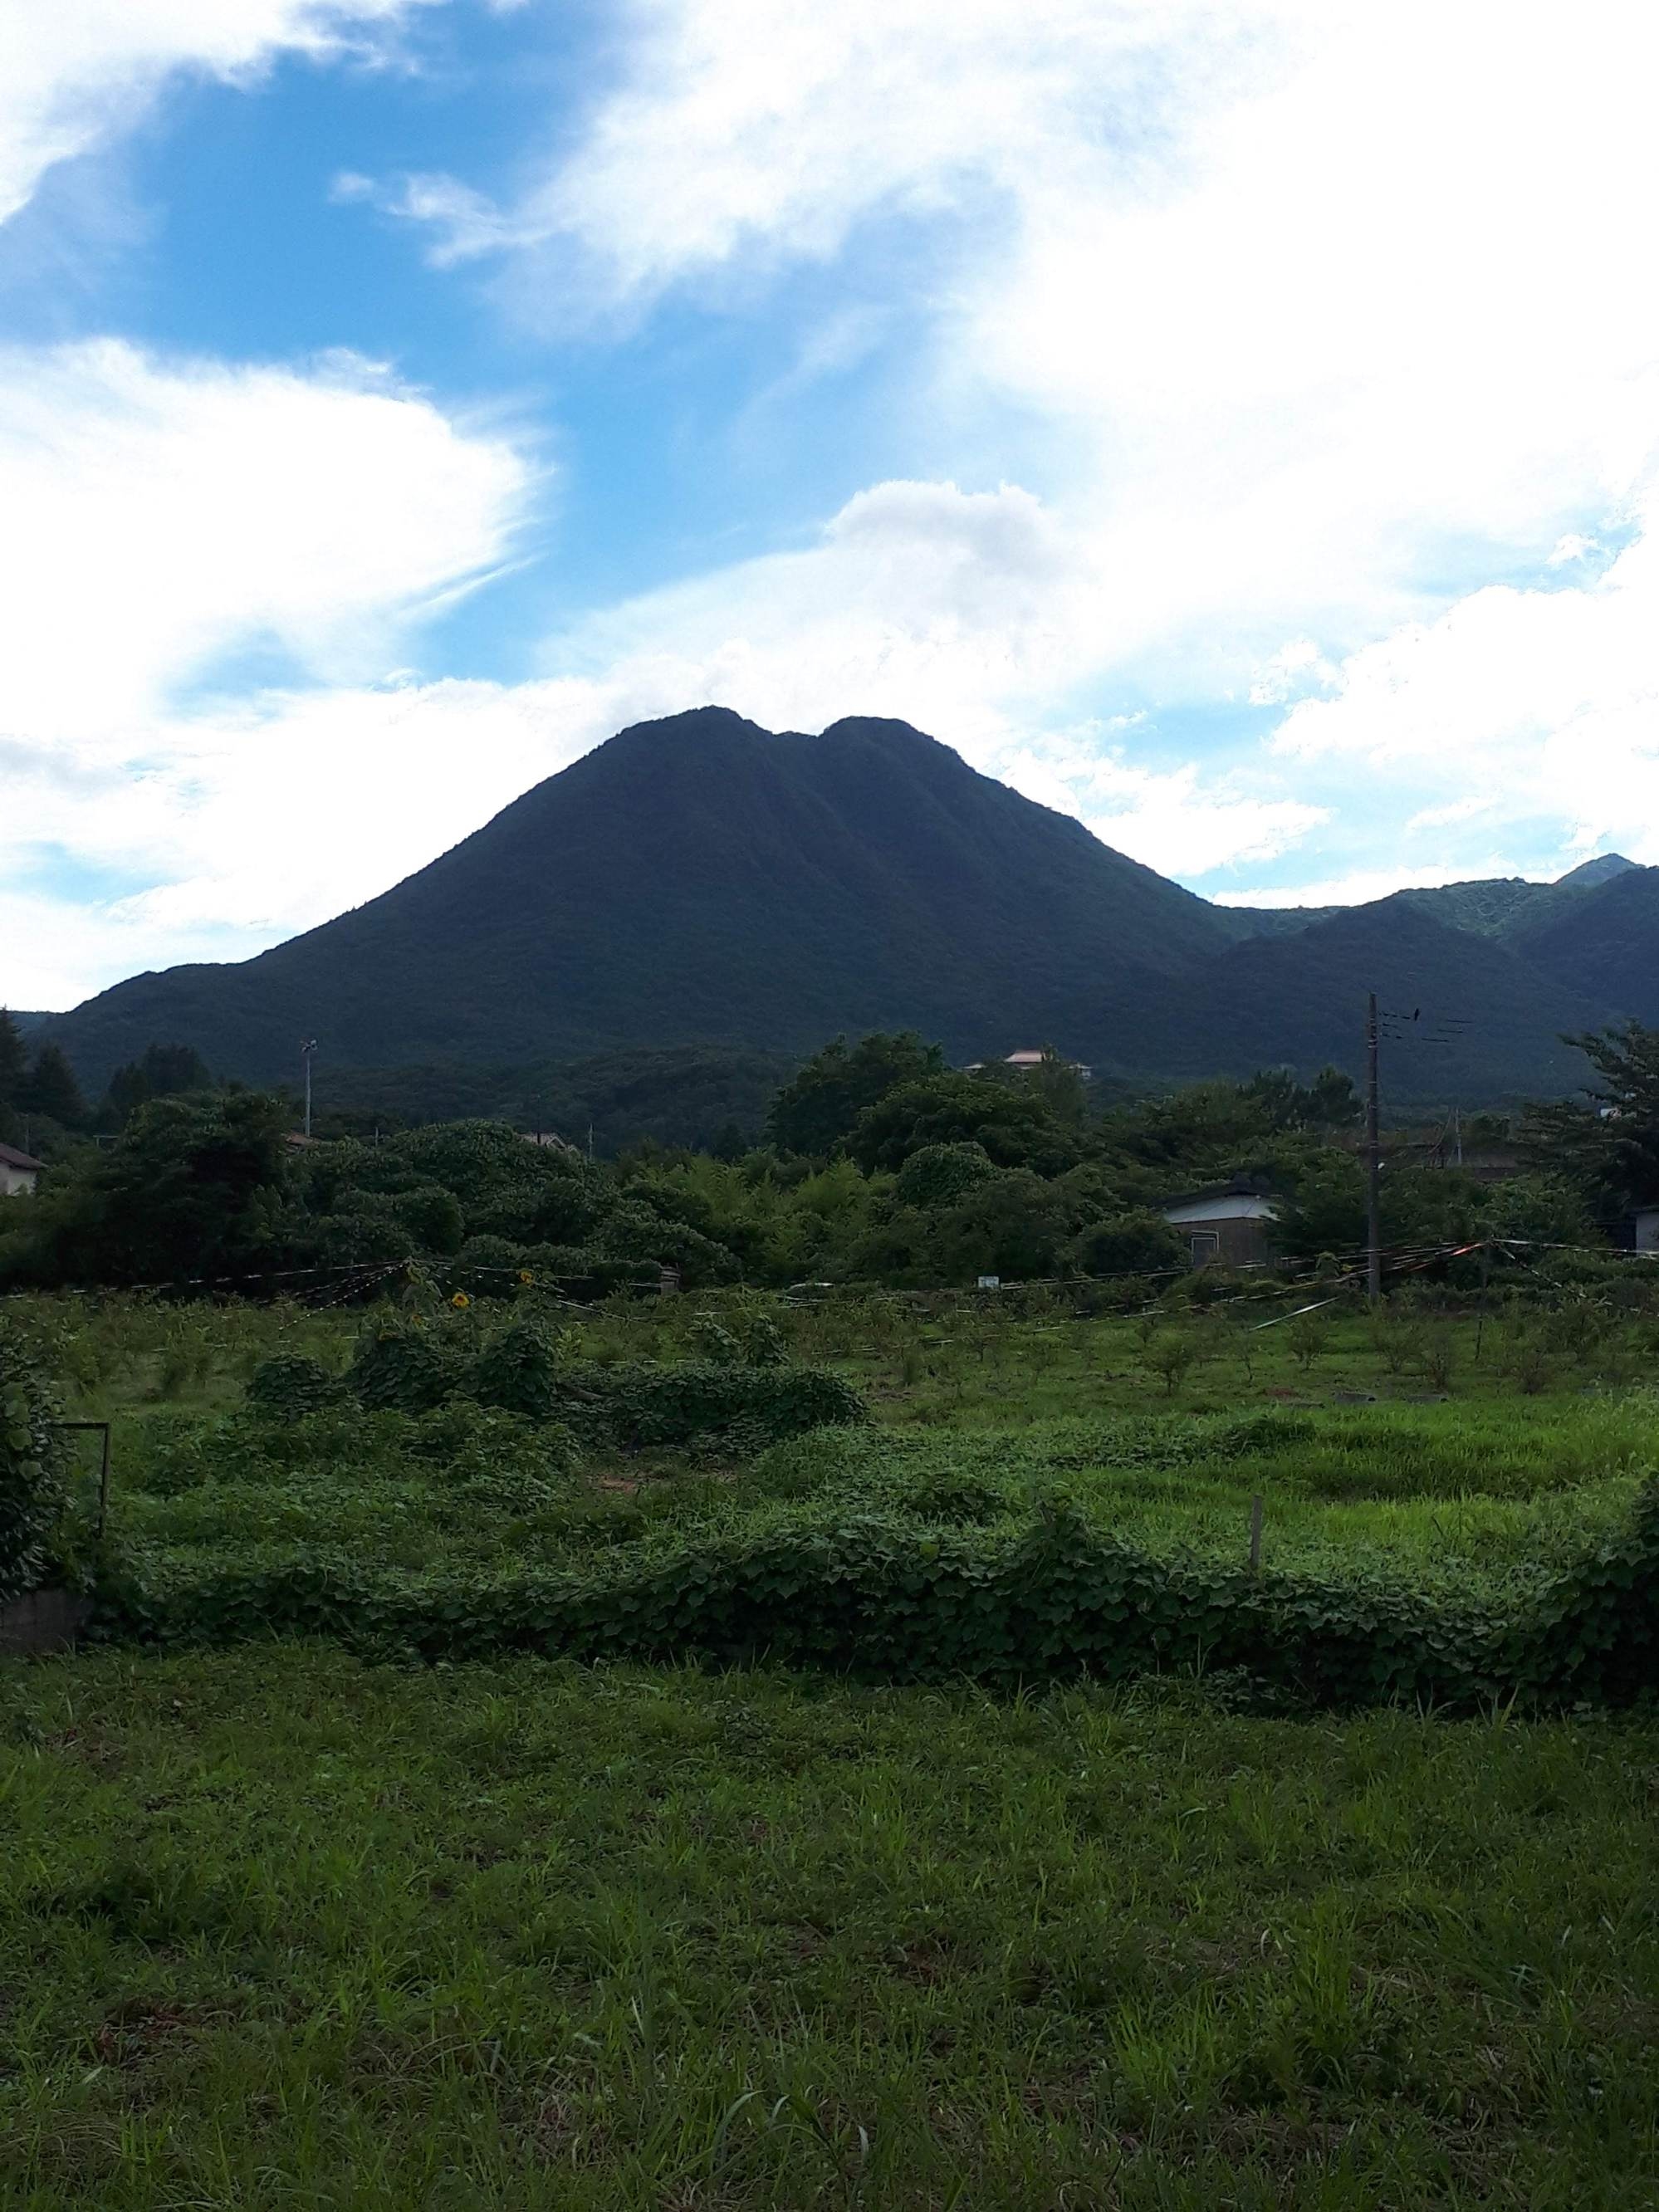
700	881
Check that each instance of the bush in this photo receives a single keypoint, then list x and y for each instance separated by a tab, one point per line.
1129	1243
518	1370
288	1387
642	1407
402	1368
34	1465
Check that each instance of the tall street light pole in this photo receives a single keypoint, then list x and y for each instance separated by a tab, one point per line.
307	1045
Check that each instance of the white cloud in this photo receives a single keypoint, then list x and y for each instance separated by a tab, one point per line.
1331	310
729	137
162	513
1514	705
162	518
73	72
1176	820
949	609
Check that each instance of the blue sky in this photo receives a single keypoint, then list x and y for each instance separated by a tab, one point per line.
1234	424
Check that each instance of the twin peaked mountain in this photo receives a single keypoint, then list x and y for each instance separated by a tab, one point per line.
700	880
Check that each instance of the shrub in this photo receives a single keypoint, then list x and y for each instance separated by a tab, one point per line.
34	1465
289	1386
501	1457
1129	1243
643	1407
1171	1354
518	1370
402	1368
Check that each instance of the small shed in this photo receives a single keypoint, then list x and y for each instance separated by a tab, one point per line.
1644	1228
1229	1225
19	1172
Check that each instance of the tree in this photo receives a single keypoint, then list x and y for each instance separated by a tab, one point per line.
193	1187
938	1175
1536	1209
1013	1225
52	1090
1012	1124
163	1071
14	1060
818	1109
1610	1146
1129	1244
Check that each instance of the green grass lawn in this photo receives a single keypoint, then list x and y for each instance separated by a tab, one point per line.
281	1930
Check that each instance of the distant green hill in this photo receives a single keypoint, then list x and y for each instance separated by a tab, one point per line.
701	882
1601	939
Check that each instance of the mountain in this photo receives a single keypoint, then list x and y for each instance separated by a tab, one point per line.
1493	905
1601	939
1489	1024
699	882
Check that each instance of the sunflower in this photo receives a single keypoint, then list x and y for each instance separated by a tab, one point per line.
460	1302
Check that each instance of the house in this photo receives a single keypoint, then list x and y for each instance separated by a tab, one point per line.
1645	1229
551	1141
1025	1060
18	1172
1229	1225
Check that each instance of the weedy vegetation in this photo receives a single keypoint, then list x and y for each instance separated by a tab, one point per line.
733	1752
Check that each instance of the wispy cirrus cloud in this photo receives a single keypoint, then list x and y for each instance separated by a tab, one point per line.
76	72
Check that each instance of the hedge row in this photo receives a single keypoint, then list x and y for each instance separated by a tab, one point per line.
879	1599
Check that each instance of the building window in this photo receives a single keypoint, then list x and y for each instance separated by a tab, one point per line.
1207	1246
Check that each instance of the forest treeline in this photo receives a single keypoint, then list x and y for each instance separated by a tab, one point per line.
879	1163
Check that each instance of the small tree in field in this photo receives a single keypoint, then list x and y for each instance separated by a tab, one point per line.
1307	1335
1172	1355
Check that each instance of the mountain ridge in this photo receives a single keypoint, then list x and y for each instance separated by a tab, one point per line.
699	880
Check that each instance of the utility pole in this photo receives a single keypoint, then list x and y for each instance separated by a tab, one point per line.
307	1045
1373	1162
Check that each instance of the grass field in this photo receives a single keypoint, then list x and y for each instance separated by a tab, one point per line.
1537	1440
283	1928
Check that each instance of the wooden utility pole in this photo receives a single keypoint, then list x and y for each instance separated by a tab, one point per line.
1373	1162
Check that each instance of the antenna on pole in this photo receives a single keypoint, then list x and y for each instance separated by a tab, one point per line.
307	1045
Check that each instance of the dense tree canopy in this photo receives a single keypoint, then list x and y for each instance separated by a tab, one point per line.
819	1108
944	1176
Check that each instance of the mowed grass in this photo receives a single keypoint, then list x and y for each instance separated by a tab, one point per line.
280	1930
